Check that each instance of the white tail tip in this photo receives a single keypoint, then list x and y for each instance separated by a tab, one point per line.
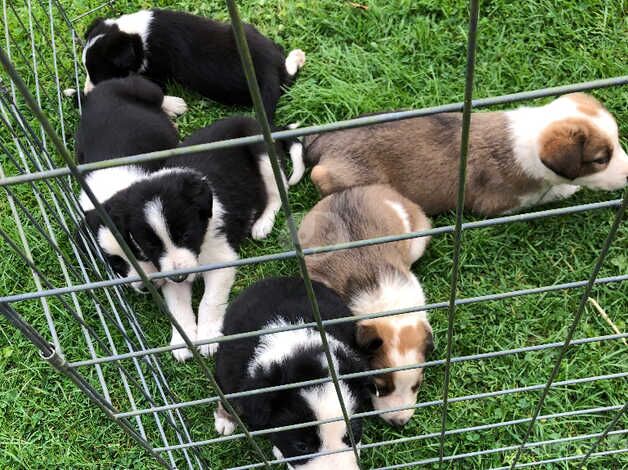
298	165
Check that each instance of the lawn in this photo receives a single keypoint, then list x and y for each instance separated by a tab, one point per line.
392	54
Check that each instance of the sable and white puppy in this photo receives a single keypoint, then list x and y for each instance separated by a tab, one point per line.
289	357
374	279
197	52
517	158
197	210
123	117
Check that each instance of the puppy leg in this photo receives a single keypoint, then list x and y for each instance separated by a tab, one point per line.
562	191
295	61
179	300
270	89
264	224
420	222
223	421
213	305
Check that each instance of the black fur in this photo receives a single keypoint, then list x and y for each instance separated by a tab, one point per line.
266	301
196	52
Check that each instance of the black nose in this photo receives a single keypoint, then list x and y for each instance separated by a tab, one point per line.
179	278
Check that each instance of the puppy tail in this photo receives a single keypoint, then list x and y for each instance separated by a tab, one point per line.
295	149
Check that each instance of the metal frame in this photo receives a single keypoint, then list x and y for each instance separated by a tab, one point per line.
35	141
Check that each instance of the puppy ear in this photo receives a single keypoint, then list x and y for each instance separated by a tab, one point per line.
368	338
428	345
126	51
196	190
257	411
562	147
92	26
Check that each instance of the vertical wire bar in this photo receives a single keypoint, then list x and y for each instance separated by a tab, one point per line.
462	173
53	358
249	71
608	429
40	116
574	324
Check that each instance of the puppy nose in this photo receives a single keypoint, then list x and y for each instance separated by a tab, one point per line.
179	277
399	422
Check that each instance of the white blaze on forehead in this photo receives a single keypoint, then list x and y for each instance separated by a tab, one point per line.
401	212
155	217
277	348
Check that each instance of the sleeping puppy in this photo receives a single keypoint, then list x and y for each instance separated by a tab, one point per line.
197	210
198	53
376	279
289	357
517	159
122	117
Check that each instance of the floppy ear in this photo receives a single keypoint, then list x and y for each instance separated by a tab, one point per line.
197	191
257	411
92	26
126	51
428	346
562	146
368	338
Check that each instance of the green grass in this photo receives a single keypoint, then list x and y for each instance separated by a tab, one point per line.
396	54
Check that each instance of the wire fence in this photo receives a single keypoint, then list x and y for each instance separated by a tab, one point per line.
81	298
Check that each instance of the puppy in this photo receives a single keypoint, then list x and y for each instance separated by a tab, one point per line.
122	117
290	357
375	279
517	159
198	53
197	209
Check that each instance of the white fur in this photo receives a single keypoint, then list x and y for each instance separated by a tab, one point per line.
69	92
89	86
178	297
298	165
264	224
276	348
401	212
218	283
325	404
174	106
295	61
223	423
526	127
174	257
105	183
392	293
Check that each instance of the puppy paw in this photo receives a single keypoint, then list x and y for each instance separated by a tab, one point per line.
182	354
294	61
263	226
69	92
212	331
223	425
173	106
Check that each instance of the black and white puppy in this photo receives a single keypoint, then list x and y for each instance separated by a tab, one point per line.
289	357
197	210
122	117
197	52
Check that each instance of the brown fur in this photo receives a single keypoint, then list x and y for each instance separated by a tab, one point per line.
357	214
587	104
420	157
569	138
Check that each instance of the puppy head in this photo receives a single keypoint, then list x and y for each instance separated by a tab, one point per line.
582	144
306	404
111	53
392	342
163	218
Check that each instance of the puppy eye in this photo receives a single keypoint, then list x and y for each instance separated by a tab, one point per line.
416	387
380	390
303	447
601	161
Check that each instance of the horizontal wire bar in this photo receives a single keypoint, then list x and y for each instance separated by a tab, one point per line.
338	125
427	307
483	427
377	412
385	370
93	10
450	458
566	458
322	249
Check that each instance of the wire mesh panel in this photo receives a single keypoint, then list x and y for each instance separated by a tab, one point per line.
538	409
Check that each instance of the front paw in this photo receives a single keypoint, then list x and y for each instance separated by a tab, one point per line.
223	424
263	226
209	332
174	106
182	354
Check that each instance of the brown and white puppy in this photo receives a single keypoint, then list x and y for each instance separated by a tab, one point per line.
517	158
375	279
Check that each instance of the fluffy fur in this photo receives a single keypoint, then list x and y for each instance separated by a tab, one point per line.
289	357
196	209
517	159
197	52
376	279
